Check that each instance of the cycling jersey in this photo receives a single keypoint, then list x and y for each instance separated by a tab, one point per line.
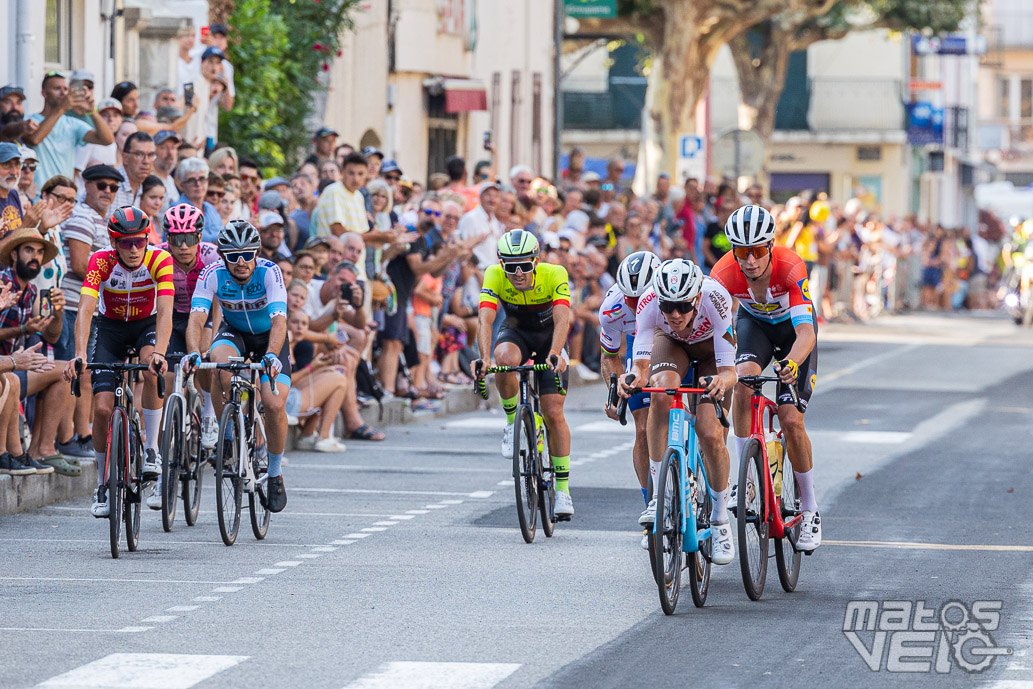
712	320
247	308
128	295
788	296
616	319
207	253
529	309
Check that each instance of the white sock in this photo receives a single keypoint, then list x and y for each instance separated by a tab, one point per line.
98	457
719	506
207	408
806	482
654	472
740	443
152	423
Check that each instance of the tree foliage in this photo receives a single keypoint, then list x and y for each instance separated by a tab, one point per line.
278	49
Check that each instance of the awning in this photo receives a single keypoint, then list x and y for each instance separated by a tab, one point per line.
464	95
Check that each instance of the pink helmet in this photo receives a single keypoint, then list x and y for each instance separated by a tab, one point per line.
184	218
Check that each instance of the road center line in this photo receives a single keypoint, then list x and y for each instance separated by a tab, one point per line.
911	545
105	579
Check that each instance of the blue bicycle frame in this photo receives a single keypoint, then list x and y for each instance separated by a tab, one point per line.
681	437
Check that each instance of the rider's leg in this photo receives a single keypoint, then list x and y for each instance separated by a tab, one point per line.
659	410
152	405
275	424
640	453
715	458
103	403
220	383
741	411
559	438
508	384
798	444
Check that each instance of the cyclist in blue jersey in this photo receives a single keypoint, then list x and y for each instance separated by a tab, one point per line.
253	299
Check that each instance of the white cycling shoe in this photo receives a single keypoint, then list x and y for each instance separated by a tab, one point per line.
507	440
154	498
722	549
209	432
644	543
810	532
100	507
564	506
648	515
151	465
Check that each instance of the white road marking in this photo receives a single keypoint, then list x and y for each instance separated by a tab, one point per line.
911	545
356	535
451	502
387	523
161	618
435	507
229	589
347	542
96	579
182	608
324	549
248	580
124	630
375	529
876	437
287	563
371	491
607	427
405	469
478	423
207	599
416	511
145	671
862	364
133	630
269	570
312	556
406	675
401	516
482	494
503	483
1011	684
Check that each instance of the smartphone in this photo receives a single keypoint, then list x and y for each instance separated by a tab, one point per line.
487	141
188	94
46	306
206	31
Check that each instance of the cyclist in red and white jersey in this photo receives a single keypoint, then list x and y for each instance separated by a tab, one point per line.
776	321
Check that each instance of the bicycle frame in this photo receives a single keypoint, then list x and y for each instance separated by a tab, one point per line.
763	408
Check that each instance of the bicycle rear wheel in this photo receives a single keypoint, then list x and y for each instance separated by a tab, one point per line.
172	456
116	461
227	475
192	469
750	518
651	492
134	485
257	501
547	491
787	557
667	539
698	562
525	472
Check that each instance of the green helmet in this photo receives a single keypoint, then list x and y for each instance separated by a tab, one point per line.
516	245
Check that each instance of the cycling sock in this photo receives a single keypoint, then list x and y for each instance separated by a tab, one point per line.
152	432
98	457
274	464
562	465
719	506
654	471
509	405
645	496
740	443
207	408
806	482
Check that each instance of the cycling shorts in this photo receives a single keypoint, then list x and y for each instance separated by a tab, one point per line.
111	342
535	345
670	354
641	400
178	338
762	343
253	347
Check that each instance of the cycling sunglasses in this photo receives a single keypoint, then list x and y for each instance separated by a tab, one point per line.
436	214
247	256
522	266
682	307
128	243
743	252
184	238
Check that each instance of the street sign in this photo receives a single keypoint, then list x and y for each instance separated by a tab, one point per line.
738	153
594	9
925	85
692	157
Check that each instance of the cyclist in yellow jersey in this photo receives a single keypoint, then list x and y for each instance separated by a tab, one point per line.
536	300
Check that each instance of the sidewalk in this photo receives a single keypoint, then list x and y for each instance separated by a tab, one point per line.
19	493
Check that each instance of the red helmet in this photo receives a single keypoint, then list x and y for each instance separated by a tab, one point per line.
128	221
184	218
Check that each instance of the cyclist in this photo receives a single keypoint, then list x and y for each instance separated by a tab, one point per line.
183	227
617	328
780	324
253	299
130	287
688	316
536	300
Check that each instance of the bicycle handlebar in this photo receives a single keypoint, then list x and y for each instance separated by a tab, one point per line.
757	383
241	366
480	385
623	409
115	366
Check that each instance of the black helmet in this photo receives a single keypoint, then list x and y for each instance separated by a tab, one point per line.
128	221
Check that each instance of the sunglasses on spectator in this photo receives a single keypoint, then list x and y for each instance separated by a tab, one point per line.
142	155
195	180
451	216
682	307
521	266
106	186
249	178
607	187
129	243
247	256
744	252
31	167
392	178
62	199
184	238
436	214
216	194
521	181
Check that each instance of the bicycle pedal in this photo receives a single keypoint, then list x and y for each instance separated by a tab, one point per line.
808	552
564	518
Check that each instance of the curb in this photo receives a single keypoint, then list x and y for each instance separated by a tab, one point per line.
20	493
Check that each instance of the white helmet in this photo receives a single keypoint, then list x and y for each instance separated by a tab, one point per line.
678	280
750	226
635	273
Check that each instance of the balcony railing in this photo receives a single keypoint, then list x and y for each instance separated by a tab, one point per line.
618	108
1014	139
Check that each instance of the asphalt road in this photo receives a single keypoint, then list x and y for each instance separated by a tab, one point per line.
400	565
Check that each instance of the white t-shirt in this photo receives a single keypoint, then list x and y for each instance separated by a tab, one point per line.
713	319
314	306
478	223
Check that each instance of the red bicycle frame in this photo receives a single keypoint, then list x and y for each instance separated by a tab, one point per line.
763	407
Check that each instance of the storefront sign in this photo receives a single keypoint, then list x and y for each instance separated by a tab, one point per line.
595	9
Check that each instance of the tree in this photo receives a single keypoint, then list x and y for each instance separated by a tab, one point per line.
761	54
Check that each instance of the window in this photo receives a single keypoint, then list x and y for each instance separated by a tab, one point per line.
1003	86
1026	98
57	42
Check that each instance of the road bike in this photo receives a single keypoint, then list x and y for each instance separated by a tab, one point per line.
682	483
534	477
183	457
241	461
768	503
123	458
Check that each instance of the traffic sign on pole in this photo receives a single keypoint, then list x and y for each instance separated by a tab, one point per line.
692	157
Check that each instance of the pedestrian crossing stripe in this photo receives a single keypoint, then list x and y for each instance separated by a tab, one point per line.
412	675
144	671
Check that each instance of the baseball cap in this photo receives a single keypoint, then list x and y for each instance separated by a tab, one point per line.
164	135
405	183
95	172
27	153
276	182
11	89
390	166
372	151
9	151
109	103
212	51
590	177
83	74
324	131
317	241
267	218
270	200
490	185
220	29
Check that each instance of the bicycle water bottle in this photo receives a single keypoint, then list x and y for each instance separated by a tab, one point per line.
775	460
539	431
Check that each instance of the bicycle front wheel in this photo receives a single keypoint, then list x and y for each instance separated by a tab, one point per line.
134	485
257	502
547	491
751	520
698	562
227	475
667	536
525	472
171	457
787	557
116	461
192	467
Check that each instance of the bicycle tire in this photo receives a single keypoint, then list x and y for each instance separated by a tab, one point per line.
193	471
134	484
525	475
257	502
171	452
227	476
698	562
787	557
752	527
547	490
649	531
667	539
115	462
